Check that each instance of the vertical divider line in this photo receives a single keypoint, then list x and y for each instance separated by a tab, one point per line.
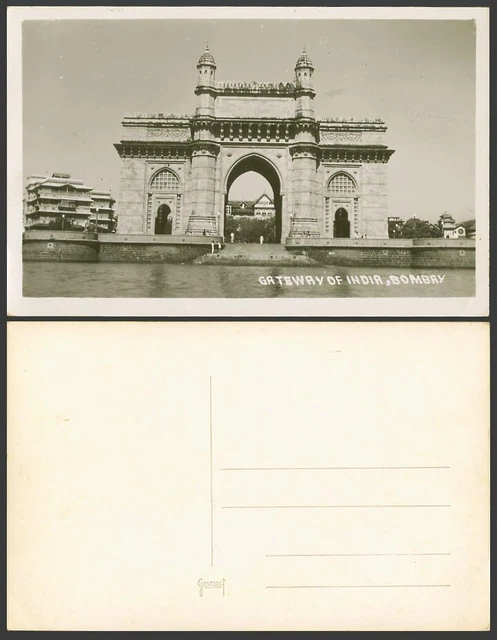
212	494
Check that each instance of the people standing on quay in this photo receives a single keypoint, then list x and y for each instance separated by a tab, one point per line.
232	237
261	239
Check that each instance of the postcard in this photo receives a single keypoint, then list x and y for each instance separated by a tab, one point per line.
248	476
339	169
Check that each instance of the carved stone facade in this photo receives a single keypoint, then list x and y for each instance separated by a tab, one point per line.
329	177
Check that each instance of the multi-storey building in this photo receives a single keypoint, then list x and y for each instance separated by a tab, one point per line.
328	176
450	228
63	203
263	207
240	208
102	211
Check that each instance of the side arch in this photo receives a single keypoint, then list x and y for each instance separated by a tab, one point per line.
164	191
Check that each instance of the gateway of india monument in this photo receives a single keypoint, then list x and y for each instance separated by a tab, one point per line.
329	177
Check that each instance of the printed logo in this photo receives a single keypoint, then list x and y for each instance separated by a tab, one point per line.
210	584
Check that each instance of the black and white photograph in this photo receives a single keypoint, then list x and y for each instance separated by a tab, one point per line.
248	161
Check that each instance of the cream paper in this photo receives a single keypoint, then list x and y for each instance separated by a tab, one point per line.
249	476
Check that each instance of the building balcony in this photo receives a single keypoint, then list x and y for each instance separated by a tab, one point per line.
47	196
102	216
54	194
59	212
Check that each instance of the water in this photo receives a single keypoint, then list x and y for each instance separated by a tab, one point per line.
106	280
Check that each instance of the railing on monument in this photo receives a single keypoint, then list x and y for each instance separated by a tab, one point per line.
199	225
301	227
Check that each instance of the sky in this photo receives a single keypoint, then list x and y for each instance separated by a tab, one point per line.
81	76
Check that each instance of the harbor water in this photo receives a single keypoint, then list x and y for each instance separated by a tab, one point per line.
159	280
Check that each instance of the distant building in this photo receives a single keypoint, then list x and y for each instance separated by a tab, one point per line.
452	229
56	202
459	231
394	226
240	208
470	226
60	202
263	207
447	225
102	211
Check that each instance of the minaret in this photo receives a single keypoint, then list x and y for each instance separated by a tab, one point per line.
304	152
204	151
206	84
304	90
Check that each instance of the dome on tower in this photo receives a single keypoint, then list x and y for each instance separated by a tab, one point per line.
207	58
304	61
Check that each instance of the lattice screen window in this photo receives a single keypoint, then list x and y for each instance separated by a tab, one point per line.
341	183
164	181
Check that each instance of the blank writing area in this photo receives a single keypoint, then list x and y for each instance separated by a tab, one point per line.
109	493
344	477
217	476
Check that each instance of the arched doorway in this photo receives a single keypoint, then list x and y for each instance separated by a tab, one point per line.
163	220
341	224
164	202
340	202
258	164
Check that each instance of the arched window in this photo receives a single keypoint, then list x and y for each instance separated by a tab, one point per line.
164	180
341	184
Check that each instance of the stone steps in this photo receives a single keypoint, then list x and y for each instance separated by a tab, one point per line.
255	255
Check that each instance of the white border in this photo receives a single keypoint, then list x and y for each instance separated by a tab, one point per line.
257	307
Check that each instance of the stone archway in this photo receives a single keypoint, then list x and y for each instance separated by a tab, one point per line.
266	127
262	166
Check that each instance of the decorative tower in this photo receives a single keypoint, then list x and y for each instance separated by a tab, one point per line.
304	152
204	150
304	91
206	84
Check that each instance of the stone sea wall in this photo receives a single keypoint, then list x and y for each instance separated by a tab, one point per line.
135	252
416	253
60	246
70	246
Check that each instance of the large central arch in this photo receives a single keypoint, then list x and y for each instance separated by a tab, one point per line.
266	169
